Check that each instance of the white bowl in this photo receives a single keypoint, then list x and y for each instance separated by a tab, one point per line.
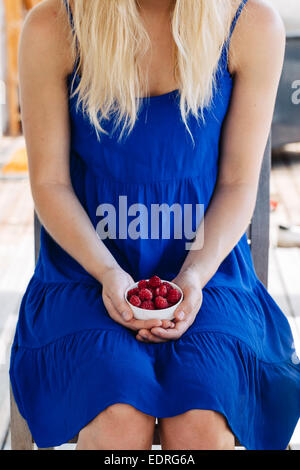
163	314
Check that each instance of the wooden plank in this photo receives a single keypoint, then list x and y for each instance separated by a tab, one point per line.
281	296
276	286
280	215
16	272
8	146
20	435
22	209
5	337
287	191
16	266
293	168
289	265
295	439
4	416
7	443
15	203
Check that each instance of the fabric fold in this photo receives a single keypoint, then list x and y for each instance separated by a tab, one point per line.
212	366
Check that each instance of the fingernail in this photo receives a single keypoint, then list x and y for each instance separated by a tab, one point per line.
126	316
180	315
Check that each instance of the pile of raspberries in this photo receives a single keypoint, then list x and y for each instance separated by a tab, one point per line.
153	294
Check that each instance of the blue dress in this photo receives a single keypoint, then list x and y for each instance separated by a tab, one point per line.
70	360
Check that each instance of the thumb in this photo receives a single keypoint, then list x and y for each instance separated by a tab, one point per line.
123	308
187	305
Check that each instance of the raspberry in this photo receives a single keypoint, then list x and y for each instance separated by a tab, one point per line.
155	291
135	300
148	305
131	292
173	296
143	284
145	294
154	281
162	291
168	286
161	302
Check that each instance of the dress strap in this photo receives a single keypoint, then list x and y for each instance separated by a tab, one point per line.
236	17
70	15
71	20
225	51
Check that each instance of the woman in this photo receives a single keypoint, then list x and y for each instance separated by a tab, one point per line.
158	102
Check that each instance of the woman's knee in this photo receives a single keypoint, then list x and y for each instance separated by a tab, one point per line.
119	426
125	415
198	430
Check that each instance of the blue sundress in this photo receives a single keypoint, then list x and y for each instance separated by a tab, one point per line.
70	360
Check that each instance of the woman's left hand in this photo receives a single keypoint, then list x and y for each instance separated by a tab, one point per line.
185	314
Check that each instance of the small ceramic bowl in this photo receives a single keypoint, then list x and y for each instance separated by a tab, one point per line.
163	314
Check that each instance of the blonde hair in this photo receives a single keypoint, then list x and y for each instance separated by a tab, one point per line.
110	40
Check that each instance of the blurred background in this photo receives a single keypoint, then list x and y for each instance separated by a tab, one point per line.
16	206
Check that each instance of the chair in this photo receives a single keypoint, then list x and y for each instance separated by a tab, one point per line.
258	236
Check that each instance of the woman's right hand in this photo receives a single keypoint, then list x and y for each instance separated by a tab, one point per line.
114	282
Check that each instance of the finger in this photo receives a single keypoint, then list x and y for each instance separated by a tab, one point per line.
187	307
143	334
141	339
162	333
149	337
170	334
167	324
146	324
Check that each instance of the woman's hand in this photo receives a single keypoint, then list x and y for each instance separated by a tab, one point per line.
114	282
189	281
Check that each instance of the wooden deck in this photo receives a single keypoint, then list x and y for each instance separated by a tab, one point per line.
17	261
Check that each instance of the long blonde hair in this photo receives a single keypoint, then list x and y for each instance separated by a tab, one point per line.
111	39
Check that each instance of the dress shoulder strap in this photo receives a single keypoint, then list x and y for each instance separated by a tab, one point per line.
71	20
70	14
225	51
236	17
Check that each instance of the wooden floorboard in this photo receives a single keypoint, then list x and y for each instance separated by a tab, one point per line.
284	267
16	262
16	266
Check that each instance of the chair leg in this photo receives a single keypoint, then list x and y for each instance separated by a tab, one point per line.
21	438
